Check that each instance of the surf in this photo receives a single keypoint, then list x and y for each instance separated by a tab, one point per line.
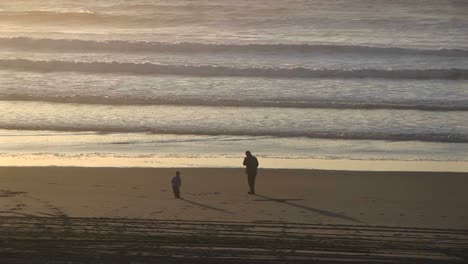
124	46
212	71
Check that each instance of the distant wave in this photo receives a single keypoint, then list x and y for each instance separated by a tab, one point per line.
76	45
44	16
210	71
365	135
326	104
80	18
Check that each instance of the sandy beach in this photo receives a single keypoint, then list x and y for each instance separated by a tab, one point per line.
122	214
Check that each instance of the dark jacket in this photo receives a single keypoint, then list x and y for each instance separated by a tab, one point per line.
251	163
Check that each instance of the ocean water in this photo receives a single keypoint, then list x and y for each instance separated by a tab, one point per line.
289	80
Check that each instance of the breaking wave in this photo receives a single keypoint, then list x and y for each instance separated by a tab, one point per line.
44	16
287	103
211	71
77	45
109	128
85	17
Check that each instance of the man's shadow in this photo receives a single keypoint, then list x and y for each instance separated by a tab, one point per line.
207	206
322	212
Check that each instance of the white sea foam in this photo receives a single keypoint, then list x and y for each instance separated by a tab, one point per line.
278	122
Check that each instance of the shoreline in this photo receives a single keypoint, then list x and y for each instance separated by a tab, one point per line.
52	148
233	168
154	161
26	169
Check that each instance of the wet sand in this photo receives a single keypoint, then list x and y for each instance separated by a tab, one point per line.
114	215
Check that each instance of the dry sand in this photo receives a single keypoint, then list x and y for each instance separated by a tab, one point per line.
120	215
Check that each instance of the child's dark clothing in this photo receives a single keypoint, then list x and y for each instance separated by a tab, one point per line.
176	183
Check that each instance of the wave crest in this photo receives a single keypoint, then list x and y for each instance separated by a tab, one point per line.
427	137
43	16
84	17
122	46
211	71
324	104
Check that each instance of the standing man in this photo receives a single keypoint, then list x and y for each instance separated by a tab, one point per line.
251	165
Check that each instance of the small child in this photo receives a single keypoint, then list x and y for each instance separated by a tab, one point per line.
176	183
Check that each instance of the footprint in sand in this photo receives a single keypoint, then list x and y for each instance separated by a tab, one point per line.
18	207
56	211
8	193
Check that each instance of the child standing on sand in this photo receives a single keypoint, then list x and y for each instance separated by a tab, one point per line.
176	183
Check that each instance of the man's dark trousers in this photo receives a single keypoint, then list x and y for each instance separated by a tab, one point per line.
251	174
